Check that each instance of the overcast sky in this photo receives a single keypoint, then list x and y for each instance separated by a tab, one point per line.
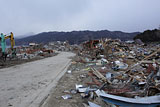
25	16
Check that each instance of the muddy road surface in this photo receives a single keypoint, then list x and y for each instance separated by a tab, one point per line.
27	85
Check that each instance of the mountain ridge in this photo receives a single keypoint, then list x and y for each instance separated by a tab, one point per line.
75	37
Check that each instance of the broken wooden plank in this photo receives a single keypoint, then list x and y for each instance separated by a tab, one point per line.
152	54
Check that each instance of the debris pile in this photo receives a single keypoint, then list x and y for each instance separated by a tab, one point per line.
33	51
118	72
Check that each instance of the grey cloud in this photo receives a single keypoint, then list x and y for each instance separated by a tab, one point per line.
23	16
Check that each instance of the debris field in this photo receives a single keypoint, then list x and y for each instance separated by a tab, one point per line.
110	72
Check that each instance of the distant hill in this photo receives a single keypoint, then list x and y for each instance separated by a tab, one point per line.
149	36
75	37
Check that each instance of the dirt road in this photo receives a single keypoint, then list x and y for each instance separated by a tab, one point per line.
27	85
